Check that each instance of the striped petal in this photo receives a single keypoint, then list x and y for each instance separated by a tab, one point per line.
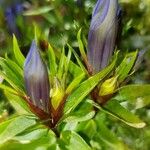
103	33
36	79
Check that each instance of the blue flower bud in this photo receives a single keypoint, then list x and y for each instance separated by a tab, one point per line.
103	33
11	14
79	3
36	79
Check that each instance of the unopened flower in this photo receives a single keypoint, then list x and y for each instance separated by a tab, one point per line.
36	79
11	14
103	33
79	3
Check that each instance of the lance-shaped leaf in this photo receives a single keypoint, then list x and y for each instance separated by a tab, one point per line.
36	79
17	53
115	109
103	33
14	126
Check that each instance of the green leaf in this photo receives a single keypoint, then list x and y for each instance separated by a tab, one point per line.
52	61
78	60
10	76
88	128
74	83
7	88
10	82
108	137
138	95
77	143
67	61
31	136
37	33
74	69
38	11
14	67
81	46
61	64
12	127
35	134
79	117
85	88
72	141
116	110
18	103
39	138
17	53
66	67
125	67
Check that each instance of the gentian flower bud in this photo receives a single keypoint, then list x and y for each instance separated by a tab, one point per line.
36	79
11	14
103	33
79	3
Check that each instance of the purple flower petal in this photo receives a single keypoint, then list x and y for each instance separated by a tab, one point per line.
36	79
103	33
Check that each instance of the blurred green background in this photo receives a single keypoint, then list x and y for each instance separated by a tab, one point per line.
59	21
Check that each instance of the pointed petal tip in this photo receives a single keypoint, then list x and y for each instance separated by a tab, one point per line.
103	33
36	78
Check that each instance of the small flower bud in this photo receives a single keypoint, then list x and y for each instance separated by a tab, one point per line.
11	14
57	94
108	87
79	3
103	33
36	79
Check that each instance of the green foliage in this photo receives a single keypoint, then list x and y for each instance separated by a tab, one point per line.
17	53
71	140
137	95
125	67
14	126
86	87
76	85
39	11
84	123
120	113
